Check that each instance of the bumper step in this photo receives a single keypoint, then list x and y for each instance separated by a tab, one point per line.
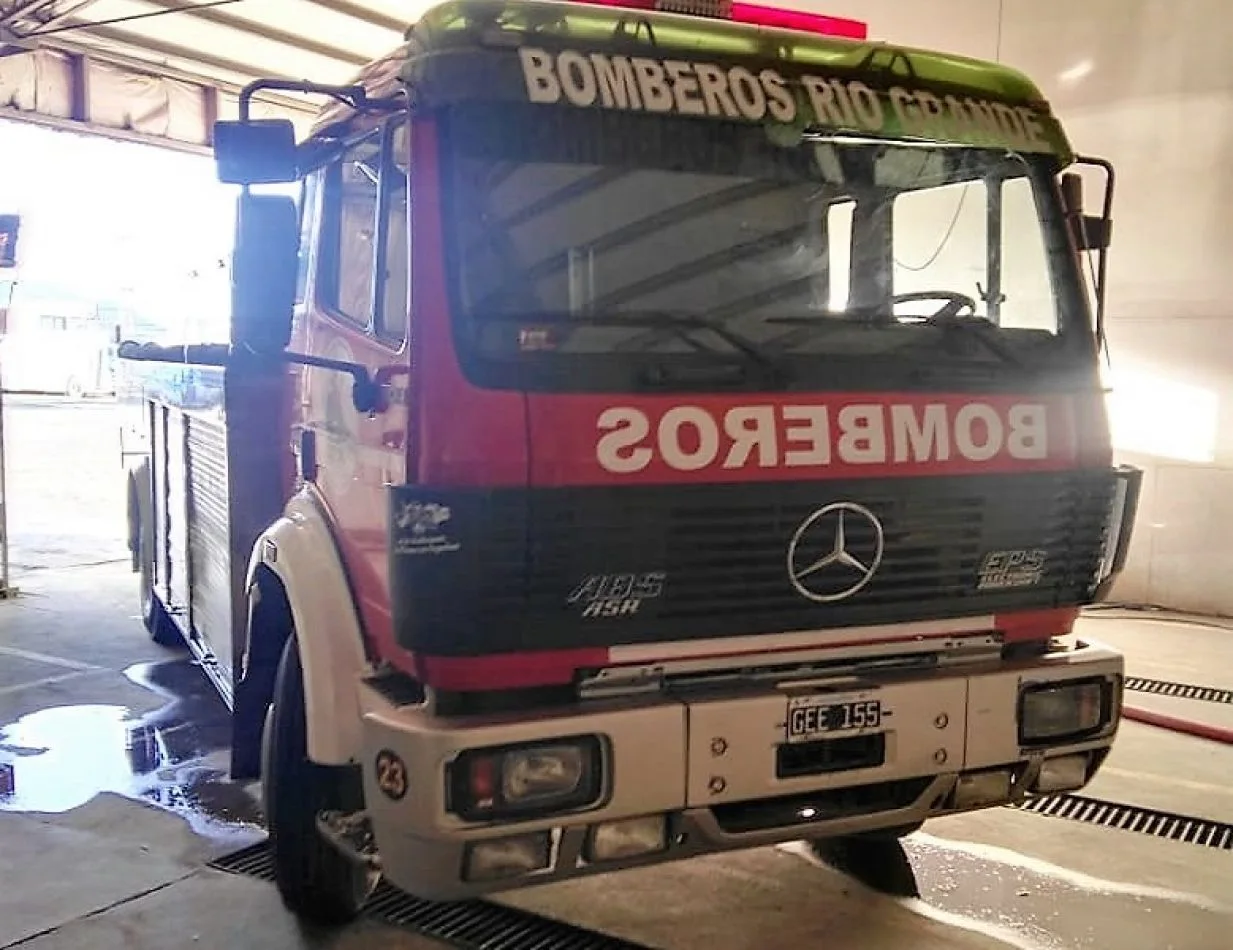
484	925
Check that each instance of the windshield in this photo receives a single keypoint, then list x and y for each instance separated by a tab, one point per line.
627	237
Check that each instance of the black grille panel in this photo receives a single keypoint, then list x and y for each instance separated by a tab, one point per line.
724	554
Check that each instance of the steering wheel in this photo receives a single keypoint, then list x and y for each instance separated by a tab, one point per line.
955	301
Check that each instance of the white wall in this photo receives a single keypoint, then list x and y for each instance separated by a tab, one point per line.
1148	85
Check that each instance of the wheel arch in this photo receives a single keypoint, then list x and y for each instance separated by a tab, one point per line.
296	582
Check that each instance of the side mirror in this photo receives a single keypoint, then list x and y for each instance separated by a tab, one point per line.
264	271
256	152
1091	232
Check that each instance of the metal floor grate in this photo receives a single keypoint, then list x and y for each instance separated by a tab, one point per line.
1188	829
473	925
1207	694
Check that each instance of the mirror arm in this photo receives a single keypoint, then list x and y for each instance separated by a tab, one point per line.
348	94
1102	256
354	96
193	354
367	391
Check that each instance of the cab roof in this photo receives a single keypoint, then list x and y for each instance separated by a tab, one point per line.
501	25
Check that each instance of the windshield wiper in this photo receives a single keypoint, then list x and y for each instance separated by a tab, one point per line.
680	325
976	328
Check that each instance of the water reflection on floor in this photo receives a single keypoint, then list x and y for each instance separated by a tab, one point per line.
1020	901
60	758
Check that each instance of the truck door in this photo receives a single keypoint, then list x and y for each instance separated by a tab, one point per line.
359	313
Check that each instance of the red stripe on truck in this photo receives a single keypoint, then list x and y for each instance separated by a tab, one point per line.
508	670
1024	625
638	439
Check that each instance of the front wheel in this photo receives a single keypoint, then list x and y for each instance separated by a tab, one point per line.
316	880
876	859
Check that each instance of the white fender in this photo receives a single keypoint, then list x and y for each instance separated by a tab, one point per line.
300	550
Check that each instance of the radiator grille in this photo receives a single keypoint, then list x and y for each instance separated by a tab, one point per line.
724	552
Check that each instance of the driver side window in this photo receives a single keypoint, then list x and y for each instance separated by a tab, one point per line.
364	262
350	232
941	244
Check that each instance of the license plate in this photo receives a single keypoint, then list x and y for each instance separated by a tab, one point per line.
817	717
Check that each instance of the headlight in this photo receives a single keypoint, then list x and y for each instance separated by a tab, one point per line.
1054	712
520	781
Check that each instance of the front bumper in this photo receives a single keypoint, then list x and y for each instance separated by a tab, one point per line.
711	766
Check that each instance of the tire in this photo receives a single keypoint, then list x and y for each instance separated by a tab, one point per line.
317	882
876	860
161	628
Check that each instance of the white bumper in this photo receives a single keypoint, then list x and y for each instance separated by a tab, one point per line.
713	766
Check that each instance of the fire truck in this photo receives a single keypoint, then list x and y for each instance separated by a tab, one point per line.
656	429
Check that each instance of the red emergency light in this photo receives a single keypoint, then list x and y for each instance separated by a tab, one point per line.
751	13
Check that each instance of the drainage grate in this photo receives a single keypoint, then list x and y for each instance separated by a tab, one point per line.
473	925
1148	821
1207	694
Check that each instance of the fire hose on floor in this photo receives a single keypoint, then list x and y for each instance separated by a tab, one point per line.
1181	724
1190	727
1139	684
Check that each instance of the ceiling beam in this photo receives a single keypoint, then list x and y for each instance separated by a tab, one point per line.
99	131
63	14
25	10
295	40
183	53
357	11
307	105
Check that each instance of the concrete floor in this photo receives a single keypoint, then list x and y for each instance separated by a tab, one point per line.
113	791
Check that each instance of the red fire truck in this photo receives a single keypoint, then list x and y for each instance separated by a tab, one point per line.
653	432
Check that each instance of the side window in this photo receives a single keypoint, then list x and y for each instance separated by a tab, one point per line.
976	239
939	242
308	196
394	313
1027	287
349	247
839	218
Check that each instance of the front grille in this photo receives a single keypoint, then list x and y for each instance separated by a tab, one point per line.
736	560
723	553
725	549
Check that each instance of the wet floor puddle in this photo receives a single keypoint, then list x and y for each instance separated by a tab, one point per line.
1025	903
62	757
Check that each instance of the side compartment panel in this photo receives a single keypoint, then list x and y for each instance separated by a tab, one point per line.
159	480
177	515
209	535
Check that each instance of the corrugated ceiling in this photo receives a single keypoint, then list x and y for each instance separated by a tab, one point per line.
223	43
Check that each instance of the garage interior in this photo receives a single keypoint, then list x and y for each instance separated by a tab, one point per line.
119	824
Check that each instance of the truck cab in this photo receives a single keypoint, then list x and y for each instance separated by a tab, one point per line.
650	434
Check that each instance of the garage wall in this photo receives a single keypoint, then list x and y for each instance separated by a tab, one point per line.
1146	84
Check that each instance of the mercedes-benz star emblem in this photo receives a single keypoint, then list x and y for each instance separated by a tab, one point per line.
835	552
